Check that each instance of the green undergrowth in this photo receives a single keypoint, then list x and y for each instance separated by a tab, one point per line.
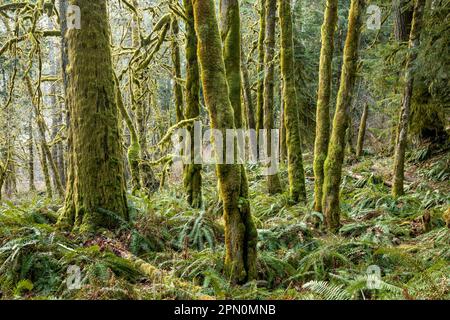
406	239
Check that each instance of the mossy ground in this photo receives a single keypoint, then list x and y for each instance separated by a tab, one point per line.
407	238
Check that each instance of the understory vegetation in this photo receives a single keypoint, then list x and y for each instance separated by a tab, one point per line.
170	251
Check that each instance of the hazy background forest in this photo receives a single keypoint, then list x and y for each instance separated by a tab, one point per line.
95	205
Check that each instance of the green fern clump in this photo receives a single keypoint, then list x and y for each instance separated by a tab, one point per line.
196	231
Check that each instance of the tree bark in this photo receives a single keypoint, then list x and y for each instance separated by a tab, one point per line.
98	196
192	172
362	131
336	148
323	100
273	180
260	70
296	173
240	231
402	131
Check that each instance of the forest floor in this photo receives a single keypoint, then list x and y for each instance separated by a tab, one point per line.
169	251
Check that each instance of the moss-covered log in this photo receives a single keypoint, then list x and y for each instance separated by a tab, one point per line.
97	166
402	131
192	172
240	231
336	148
323	100
297	189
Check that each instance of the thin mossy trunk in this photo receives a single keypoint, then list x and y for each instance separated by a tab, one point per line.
133	153
31	178
283	145
260	71
336	148
176	63
402	131
296	173
192	171
4	170
273	180
240	231
349	136
134	149
45	172
98	196
142	175
323	100
247	93
362	131
46	152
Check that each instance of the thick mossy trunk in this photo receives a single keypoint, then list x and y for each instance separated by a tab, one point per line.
260	70
362	131
192	172
240	231
336	148
291	106
323	100
273	180
97	197
176	65
402	131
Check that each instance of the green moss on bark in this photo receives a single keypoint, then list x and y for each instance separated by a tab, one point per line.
323	100
260	69
362	131
291	113
273	180
192	172
336	148
98	190
402	131
240	232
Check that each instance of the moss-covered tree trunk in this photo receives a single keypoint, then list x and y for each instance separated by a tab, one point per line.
291	106
192	172
46	152
247	93
402	19
176	64
98	196
273	180
336	148
240	231
402	131
323	100
283	146
32	186
45	171
362	131
260	70
143	177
